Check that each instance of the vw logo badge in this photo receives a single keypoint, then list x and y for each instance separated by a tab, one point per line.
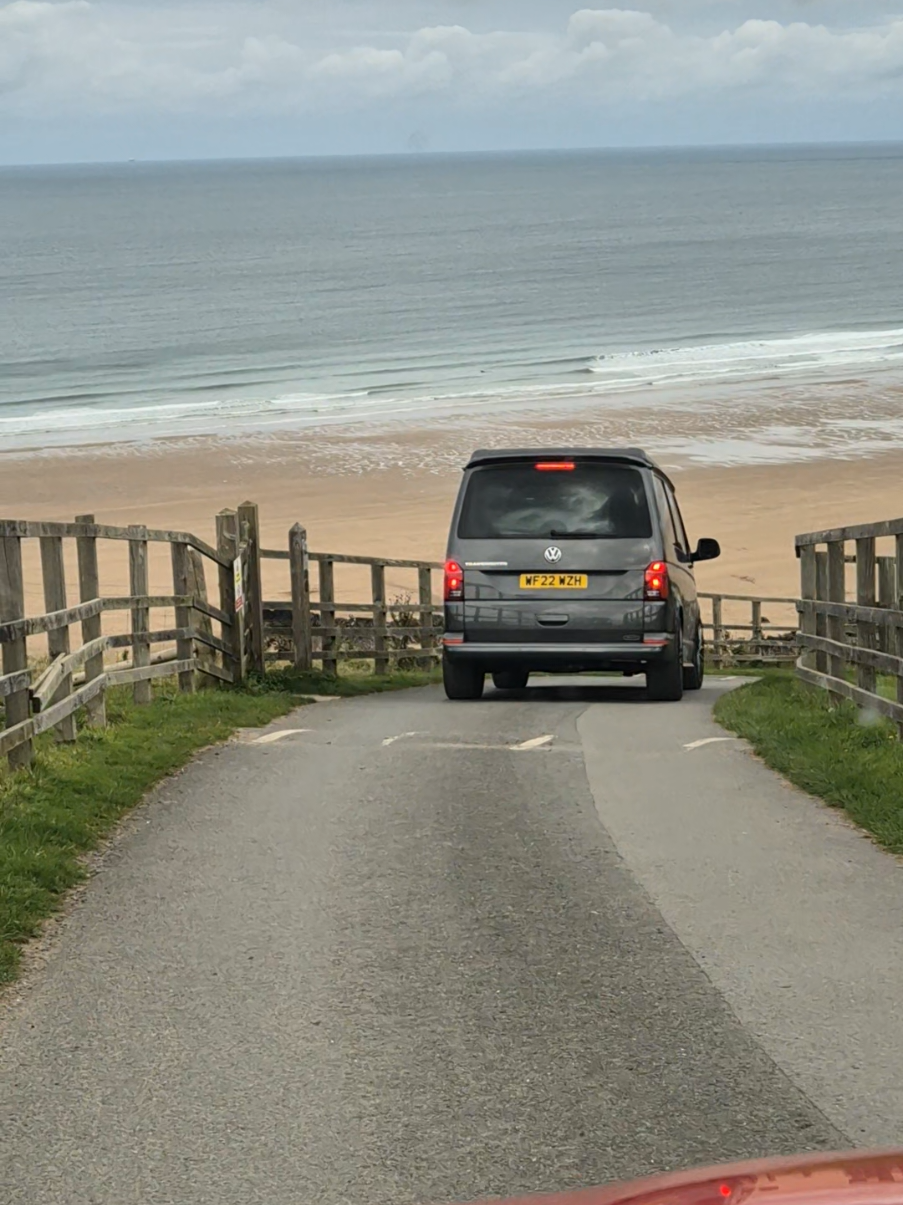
553	555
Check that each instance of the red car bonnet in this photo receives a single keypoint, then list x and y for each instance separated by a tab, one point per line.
856	1178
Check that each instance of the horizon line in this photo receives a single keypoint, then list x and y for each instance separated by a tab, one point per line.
462	154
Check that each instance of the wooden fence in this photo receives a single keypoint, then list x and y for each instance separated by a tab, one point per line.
318	627
311	625
37	697
860	637
744	630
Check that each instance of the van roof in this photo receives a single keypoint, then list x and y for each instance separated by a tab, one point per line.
625	455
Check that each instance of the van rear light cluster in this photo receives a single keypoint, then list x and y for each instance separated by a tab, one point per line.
454	581
657	585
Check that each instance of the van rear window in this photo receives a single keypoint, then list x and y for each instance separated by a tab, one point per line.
516	501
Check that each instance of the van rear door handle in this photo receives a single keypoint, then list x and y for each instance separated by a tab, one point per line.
554	621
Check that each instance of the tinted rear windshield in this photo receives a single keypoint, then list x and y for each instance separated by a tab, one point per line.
519	501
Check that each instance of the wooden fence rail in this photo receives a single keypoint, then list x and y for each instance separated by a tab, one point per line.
853	649
36	698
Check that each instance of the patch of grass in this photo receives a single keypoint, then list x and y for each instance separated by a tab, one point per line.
73	795
348	685
828	751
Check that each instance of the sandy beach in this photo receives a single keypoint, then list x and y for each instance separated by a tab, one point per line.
390	494
341	338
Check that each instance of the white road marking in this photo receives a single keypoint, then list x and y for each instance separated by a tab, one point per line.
468	748
570	750
536	743
539	742
270	738
712	740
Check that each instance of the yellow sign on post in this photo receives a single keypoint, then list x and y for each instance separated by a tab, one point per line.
239	584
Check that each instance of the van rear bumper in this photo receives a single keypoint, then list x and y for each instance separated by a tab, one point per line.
552	657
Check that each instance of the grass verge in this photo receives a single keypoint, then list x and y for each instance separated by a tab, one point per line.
347	685
73	796
829	752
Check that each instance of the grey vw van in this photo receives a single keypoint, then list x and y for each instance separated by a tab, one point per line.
570	560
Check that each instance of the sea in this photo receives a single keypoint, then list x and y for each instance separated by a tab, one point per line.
141	301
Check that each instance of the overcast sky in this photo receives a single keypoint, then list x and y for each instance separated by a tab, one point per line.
120	79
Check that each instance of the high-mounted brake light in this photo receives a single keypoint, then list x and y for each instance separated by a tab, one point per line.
556	466
454	581
657	584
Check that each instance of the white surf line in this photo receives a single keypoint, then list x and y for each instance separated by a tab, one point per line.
536	743
711	740
270	738
402	736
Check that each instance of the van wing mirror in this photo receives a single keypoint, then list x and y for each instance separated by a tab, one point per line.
707	550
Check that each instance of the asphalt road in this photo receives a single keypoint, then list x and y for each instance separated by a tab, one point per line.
431	952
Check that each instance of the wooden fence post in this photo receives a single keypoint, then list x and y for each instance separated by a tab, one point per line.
92	629
821	593
837	593
328	625
425	586
299	565
866	675
718	632
181	586
249	530
142	692
887	592
899	606
757	634
380	619
53	571
227	547
197	582
808	592
15	652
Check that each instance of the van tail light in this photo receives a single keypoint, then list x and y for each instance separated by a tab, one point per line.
657	585
454	581
555	466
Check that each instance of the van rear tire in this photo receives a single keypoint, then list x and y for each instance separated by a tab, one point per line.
462	679
511	679
665	682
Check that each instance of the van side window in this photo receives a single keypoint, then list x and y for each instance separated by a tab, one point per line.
664	509
682	541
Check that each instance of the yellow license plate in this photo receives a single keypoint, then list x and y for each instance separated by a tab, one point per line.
553	581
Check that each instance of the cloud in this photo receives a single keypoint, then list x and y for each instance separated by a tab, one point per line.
78	56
